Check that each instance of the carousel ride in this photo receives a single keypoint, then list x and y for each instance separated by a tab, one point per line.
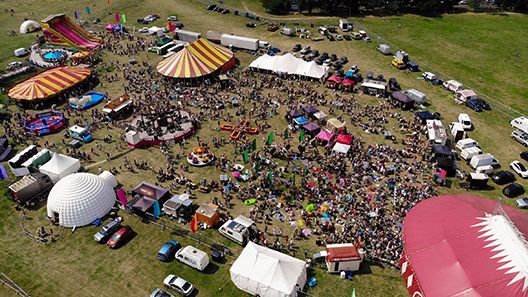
156	126
200	156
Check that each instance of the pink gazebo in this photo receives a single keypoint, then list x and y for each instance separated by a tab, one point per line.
325	135
110	27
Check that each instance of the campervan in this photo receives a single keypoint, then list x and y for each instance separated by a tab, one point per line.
344	25
464	95
457	130
520	123
483	160
239	229
453	85
465	143
469	152
193	257
464	119
80	133
488	169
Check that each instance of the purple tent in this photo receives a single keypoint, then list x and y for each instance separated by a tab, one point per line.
310	110
311	128
295	113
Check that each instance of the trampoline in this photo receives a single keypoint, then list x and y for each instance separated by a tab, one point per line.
45	123
54	56
86	101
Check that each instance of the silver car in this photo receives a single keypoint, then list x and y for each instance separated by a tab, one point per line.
160	293
520	137
107	230
178	284
522	203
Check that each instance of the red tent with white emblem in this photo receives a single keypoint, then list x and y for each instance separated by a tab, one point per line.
463	245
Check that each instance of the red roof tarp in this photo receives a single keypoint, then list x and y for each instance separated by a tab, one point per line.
325	135
348	82
342	254
344	138
334	79
461	245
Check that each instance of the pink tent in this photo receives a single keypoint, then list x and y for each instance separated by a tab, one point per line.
334	79
110	27
344	139
461	245
325	135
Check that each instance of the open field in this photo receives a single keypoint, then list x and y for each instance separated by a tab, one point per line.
77	265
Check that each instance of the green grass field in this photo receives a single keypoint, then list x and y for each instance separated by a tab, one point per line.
484	47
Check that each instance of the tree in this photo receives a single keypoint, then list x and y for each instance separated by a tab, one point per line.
475	4
275	6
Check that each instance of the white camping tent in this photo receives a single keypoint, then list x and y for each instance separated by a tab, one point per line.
29	26
341	148
60	166
289	64
267	273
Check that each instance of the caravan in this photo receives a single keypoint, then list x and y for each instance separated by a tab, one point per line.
239	230
520	123
453	85
483	160
193	257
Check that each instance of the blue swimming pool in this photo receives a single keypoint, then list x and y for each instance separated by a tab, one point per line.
54	55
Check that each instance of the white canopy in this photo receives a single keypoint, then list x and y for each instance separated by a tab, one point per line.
29	26
60	166
341	148
289	64
267	273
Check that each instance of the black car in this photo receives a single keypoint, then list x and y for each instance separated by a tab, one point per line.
437	82
513	190
344	59
393	84
370	75
347	37
502	177
412	66
482	103
296	48
358	77
524	156
251	25
211	6
473	104
333	57
324	56
380	78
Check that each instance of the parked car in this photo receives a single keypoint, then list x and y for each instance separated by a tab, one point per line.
344	59
108	230
296	48
414	67
520	137
143	30
120	237
339	37
347	37
273	27
519	168
524	156
167	251
178	284
513	190
306	50
393	84
160	293
367	39
172	18
14	65
482	103
370	75
251	25
522	202
429	76
211	6
502	177
473	104
354	68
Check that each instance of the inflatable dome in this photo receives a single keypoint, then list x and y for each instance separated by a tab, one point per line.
80	198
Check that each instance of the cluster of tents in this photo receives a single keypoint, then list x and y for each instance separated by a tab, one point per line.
289	64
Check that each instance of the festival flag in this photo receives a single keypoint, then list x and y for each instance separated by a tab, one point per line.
354	292
285	134
194	224
270	138
123	18
254	144
122	196
270	175
76	14
305	171
301	222
246	156
88	11
157	211
3	172
171	26
117	17
257	166
301	136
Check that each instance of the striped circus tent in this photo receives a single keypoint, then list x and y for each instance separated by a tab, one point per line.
48	83
197	59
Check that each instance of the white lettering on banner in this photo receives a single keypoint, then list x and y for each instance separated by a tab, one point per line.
410	280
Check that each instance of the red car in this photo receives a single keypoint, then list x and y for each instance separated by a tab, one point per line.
120	237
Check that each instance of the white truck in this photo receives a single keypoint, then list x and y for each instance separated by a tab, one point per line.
520	123
457	130
288	31
344	25
483	160
465	143
187	36
468	153
241	42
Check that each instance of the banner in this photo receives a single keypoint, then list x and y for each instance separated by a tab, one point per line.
76	14
117	17
194	224
246	156
3	172
301	136
123	18
270	138
254	144
88	11
122	196
157	211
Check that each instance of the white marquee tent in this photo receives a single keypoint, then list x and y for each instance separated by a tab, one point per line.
289	64
60	166
267	273
29	26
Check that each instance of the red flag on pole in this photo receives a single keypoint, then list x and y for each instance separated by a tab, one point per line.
171	26
117	17
194	224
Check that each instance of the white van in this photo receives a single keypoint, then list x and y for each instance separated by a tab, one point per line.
483	160
520	123
193	257
453	85
488	169
464	119
20	52
465	143
457	130
469	152
238	230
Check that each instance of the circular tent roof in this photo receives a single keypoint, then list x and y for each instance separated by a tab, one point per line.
79	199
197	59
29	26
465	246
48	83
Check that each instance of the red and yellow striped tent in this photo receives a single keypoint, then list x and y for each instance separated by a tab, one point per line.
48	83
197	59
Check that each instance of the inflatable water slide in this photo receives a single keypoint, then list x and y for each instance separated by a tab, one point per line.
60	30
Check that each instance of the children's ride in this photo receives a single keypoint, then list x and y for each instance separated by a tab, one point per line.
200	156
87	100
45	123
237	130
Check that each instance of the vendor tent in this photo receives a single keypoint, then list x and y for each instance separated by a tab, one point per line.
289	64
319	115
197	59
48	83
335	124
310	110
60	166
334	79
341	148
295	113
325	135
311	128
29	26
300	121
344	138
268	273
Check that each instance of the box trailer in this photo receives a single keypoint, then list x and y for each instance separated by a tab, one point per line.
31	187
483	160
384	49
241	42
288	31
416	95
188	36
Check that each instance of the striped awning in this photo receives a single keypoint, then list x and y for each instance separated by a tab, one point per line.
48	83
199	58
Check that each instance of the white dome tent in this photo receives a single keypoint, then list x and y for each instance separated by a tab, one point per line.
29	26
80	198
